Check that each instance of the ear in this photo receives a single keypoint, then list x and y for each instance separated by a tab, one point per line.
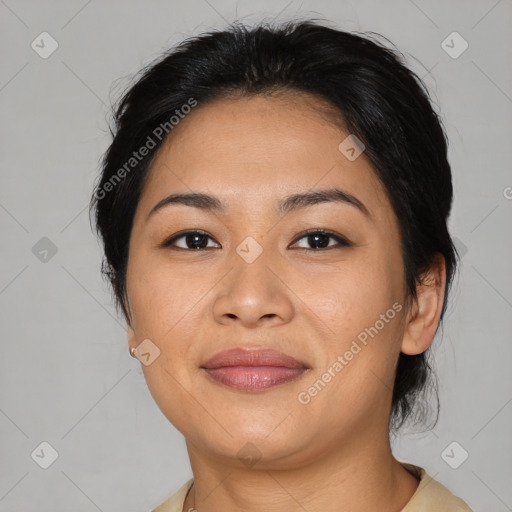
425	312
132	339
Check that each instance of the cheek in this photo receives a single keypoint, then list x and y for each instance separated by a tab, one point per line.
167	308
356	374
162	304
353	297
362	304
162	298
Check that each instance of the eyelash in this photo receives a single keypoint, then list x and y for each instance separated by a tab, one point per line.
342	241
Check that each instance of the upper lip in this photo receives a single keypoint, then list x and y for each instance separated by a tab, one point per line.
252	357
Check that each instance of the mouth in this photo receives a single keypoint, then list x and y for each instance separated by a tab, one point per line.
253	370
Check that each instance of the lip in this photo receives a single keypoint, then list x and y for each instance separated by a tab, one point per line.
253	370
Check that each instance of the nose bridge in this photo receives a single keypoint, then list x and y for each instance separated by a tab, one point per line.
251	260
252	290
255	243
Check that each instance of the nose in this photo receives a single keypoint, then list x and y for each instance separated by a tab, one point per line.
254	294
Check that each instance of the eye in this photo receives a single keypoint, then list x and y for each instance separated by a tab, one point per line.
193	240
319	239
198	240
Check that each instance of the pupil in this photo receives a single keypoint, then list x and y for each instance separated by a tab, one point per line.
319	236
194	238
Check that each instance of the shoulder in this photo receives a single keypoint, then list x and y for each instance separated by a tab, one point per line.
176	501
432	495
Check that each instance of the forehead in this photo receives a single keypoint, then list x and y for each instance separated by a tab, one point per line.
255	150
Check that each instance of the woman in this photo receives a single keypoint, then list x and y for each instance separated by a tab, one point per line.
273	209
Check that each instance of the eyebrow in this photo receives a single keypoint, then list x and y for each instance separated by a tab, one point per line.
288	204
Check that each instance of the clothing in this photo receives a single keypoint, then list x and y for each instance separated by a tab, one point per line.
430	496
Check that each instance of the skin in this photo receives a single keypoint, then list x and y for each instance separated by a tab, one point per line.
332	453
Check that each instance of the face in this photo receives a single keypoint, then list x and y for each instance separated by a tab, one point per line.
253	279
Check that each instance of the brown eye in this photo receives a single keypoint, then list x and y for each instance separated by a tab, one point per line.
320	239
192	240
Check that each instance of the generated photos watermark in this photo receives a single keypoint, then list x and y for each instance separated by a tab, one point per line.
159	133
304	397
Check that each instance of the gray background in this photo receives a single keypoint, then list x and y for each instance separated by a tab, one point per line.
66	375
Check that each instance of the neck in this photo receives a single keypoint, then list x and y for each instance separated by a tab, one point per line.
358	476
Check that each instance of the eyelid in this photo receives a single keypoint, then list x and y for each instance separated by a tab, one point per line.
340	239
169	241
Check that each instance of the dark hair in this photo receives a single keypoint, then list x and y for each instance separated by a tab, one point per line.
380	101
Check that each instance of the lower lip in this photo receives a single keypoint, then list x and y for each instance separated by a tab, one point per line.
253	378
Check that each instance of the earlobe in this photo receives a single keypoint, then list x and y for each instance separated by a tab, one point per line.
423	319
